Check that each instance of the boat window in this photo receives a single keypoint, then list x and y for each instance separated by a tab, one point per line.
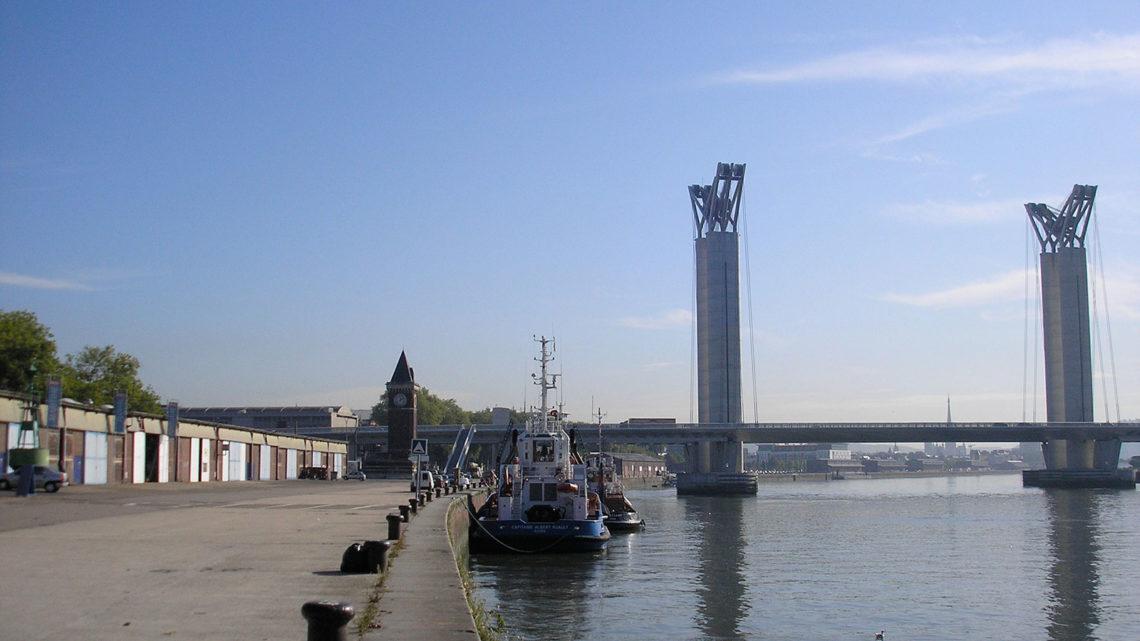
536	491
551	492
544	451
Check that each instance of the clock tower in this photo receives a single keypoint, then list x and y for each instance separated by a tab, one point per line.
401	411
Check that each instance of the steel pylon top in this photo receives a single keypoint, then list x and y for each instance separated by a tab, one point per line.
1067	227
716	207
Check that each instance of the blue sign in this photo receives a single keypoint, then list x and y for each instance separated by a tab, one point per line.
172	420
54	389
120	412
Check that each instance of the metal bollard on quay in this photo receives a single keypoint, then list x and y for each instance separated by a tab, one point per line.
405	513
327	620
394	521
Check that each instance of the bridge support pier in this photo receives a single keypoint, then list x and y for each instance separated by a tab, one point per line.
1080	463
716	468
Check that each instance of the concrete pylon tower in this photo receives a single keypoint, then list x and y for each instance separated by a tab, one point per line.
716	208
1065	320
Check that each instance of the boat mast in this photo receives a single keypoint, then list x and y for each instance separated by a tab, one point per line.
547	381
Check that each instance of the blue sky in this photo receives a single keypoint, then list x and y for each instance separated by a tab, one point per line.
267	202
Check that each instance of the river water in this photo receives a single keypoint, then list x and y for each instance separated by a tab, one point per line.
941	558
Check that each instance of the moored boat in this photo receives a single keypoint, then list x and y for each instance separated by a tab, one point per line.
542	502
618	513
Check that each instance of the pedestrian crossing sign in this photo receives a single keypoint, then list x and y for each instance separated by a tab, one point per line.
419	446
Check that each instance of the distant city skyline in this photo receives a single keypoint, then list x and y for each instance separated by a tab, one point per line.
267	203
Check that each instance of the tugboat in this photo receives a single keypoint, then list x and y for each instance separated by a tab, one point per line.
619	513
542	502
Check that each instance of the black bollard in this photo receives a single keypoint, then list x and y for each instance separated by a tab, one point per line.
394	526
405	513
438	491
26	485
327	620
377	556
420	500
414	505
427	496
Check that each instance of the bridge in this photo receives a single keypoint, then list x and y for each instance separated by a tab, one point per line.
684	433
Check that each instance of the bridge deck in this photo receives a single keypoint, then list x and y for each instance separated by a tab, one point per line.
792	432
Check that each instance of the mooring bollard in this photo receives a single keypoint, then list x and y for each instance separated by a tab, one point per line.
427	496
327	620
405	513
438	492
394	526
377	556
420	500
414	505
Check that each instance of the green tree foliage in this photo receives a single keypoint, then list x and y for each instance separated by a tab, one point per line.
96	373
430	410
483	417
24	341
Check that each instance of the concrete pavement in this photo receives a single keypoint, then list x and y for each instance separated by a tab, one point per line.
85	563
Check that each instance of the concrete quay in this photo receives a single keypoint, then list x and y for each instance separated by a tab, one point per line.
220	561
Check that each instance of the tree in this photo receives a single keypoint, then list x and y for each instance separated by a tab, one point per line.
483	417
25	341
95	373
430	410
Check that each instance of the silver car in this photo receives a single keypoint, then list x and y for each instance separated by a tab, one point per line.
47	479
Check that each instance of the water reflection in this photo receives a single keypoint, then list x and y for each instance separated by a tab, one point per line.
721	603
1073	608
549	591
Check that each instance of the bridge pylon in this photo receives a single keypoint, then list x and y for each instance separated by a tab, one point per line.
717	467
1067	338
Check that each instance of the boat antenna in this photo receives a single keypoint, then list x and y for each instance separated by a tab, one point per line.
601	415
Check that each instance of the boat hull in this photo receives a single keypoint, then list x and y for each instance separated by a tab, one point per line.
512	536
624	523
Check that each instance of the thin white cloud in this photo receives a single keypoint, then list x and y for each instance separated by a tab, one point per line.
669	320
1100	57
1123	292
1000	288
1002	73
969	113
35	282
954	213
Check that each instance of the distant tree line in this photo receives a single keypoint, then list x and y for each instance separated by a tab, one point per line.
433	410
29	358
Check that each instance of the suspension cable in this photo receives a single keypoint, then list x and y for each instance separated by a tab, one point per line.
1096	340
751	325
1107	318
1036	323
1025	334
693	338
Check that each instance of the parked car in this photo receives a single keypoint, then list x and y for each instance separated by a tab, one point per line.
47	479
355	475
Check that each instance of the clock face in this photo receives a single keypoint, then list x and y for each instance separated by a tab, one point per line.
399	400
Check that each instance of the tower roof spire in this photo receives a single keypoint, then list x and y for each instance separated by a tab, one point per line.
403	373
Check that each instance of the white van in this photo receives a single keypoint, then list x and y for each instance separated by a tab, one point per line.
428	481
